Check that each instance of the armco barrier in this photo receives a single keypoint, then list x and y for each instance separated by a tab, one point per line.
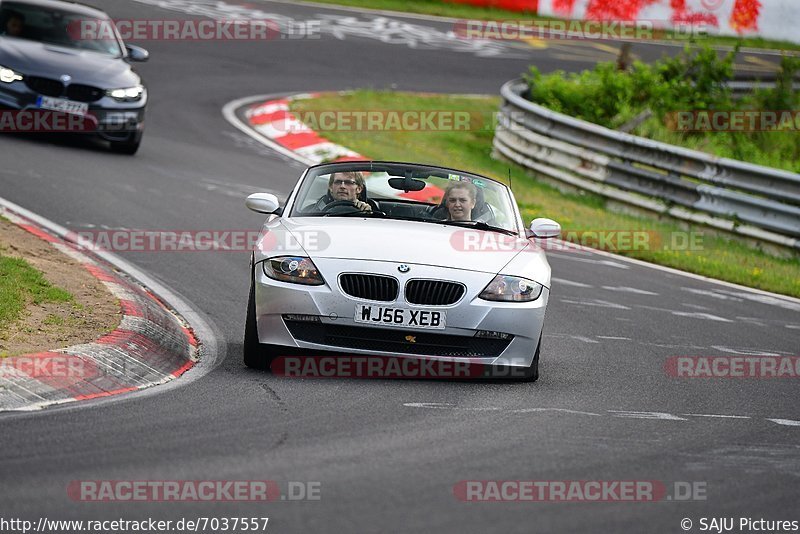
750	200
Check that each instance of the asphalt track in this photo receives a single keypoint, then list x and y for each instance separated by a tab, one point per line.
388	452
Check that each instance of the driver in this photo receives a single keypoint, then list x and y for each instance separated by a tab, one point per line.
15	23
344	186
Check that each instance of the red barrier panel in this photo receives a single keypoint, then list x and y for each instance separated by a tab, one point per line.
744	17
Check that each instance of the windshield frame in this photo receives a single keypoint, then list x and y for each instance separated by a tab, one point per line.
312	172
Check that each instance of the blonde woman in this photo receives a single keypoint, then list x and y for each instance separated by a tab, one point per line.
460	198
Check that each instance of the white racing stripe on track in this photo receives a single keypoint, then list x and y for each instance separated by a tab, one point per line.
608	263
701	315
596	303
621	414
569	282
717	416
625	289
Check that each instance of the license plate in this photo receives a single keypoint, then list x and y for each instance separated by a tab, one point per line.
62	104
366	313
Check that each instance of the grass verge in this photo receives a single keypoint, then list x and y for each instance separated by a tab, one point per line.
713	255
465	11
20	284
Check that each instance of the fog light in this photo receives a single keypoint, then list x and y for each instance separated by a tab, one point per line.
492	335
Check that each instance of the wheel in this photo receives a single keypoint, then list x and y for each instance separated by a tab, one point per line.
253	353
130	144
125	147
531	373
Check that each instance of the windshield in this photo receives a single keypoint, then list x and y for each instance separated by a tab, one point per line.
405	192
58	27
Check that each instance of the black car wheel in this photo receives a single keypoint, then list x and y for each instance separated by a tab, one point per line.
125	148
256	355
129	146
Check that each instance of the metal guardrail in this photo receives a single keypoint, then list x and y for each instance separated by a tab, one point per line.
740	88
744	83
752	200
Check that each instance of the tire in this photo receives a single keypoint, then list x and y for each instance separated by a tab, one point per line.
254	355
125	147
531	373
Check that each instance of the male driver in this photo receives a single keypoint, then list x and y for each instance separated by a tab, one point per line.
344	186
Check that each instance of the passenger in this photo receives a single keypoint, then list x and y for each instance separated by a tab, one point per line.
460	198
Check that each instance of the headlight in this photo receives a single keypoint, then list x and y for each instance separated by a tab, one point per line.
128	94
7	75
511	289
296	269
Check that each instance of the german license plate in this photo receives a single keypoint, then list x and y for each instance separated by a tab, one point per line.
366	313
62	104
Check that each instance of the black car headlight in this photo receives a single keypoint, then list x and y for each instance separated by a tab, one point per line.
511	289
126	94
9	75
295	269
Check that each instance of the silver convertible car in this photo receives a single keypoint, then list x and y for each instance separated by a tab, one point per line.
398	260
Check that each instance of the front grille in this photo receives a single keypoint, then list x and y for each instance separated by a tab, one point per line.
50	87
369	286
433	292
385	340
45	86
84	93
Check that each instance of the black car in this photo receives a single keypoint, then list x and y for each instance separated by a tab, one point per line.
48	62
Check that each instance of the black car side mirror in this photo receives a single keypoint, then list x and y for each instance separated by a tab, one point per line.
137	53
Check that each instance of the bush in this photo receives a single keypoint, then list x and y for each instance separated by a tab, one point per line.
695	80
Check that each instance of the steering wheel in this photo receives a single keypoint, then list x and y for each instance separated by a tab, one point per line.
344	206
339	206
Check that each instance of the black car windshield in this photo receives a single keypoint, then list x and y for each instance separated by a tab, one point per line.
406	192
58	27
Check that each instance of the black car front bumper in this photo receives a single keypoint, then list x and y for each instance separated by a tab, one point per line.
106	117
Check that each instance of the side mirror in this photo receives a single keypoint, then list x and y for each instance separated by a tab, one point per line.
137	53
544	228
263	203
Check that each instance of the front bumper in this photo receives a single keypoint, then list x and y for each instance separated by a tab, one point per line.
106	117
338	331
